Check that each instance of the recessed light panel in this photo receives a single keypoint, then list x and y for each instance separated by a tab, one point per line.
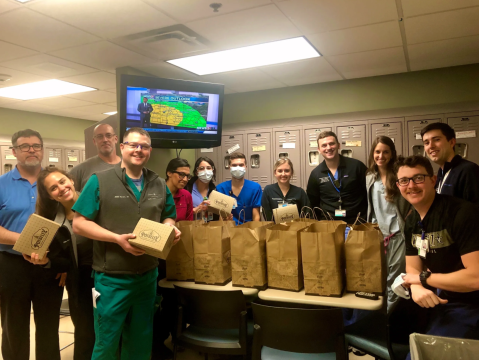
43	89
248	57
110	113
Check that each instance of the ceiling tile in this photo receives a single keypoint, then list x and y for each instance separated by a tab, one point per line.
102	55
433	55
244	80
325	15
27	28
98	97
363	38
106	18
48	66
111	103
166	70
415	7
248	27
60	102
7	6
187	10
4	100
98	80
303	72
10	51
442	26
18	77
94	109
27	106
370	63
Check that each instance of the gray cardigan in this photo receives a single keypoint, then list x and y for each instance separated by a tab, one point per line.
402	206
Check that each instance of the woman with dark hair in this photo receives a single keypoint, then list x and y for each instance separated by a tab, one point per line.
387	207
202	183
68	253
177	177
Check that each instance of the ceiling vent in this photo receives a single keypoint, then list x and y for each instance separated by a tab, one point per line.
164	43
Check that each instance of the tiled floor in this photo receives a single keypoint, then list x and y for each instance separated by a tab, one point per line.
66	339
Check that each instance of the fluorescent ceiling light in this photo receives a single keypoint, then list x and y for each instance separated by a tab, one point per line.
43	89
110	113
248	57
23	1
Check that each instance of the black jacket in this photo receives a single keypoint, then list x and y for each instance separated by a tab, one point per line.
322	193
462	180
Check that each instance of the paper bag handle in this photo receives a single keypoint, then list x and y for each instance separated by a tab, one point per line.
357	218
244	217
307	215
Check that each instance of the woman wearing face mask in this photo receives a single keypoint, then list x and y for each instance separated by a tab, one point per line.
202	184
283	193
68	253
387	207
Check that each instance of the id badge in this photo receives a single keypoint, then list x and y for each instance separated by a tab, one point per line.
423	248
210	216
235	205
340	213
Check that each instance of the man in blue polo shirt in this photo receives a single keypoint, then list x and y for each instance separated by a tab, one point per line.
246	193
22	283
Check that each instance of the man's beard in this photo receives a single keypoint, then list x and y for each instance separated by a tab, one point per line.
33	162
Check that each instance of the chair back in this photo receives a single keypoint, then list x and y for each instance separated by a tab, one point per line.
299	330
211	309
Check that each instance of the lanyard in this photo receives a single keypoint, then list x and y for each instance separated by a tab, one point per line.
332	181
441	184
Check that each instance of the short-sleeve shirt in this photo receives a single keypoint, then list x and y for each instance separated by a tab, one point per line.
88	204
273	198
184	205
452	230
17	203
82	172
248	199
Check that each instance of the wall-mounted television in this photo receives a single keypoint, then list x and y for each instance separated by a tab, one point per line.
178	114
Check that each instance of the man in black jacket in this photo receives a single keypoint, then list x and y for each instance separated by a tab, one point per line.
338	184
457	176
145	111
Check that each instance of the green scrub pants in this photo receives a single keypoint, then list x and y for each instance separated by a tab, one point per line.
124	308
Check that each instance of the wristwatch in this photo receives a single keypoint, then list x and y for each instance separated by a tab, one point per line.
423	278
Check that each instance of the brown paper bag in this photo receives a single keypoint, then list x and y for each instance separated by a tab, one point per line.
322	247
285	214
212	249
180	261
283	254
365	260
220	204
248	254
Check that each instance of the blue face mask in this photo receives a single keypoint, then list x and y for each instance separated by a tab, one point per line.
238	172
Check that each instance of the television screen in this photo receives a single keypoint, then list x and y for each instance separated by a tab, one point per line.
176	113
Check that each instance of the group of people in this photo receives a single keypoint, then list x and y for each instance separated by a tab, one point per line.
427	223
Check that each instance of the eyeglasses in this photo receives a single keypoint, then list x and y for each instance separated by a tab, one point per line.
416	179
134	146
101	136
202	168
26	147
182	175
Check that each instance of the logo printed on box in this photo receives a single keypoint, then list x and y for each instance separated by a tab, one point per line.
150	235
287	216
39	238
221	203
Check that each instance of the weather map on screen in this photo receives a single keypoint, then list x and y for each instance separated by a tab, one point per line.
159	110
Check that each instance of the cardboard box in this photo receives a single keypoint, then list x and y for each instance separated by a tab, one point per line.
153	237
285	214
220	204
36	236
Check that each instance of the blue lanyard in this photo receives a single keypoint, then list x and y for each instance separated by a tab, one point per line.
423	232
332	181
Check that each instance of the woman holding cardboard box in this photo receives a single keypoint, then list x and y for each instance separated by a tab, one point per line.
283	193
68	253
387	207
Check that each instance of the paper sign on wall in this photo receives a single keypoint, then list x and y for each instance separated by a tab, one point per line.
313	144
418	137
206	150
72	158
52	159
259	148
353	143
10	157
289	146
465	134
233	149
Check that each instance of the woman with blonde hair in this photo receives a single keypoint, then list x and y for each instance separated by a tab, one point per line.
282	193
68	253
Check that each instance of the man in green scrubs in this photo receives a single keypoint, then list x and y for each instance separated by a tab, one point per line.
108	209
